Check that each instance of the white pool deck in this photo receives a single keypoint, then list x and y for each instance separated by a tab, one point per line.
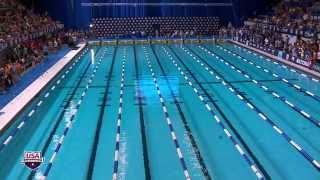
8	112
284	61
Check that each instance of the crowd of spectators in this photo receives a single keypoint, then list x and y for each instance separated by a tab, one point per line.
26	38
22	56
298	47
19	24
294	16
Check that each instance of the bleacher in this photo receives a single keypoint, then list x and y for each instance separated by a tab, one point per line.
20	24
299	18
117	27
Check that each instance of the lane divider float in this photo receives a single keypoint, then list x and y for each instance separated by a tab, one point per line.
119	118
282	66
264	87
263	116
166	114
237	146
283	79
69	124
192	140
35	108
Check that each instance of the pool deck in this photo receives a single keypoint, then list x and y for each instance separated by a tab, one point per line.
9	111
301	68
32	74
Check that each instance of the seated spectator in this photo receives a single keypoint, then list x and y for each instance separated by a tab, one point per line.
299	48
28	38
318	55
2	80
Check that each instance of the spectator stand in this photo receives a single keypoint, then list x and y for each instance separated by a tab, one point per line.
310	33
32	74
18	102
313	72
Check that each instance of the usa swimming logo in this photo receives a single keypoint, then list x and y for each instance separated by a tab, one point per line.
32	159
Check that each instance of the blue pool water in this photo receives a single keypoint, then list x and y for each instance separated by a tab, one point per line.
196	111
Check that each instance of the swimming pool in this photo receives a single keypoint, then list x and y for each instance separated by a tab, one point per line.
193	111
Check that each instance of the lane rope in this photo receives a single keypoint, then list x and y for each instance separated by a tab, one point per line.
166	114
99	125
192	140
69	124
119	118
237	146
282	64
35	108
279	77
263	87
262	116
61	116
139	97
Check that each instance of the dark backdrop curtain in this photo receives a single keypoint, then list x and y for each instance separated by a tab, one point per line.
70	12
118	11
73	15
